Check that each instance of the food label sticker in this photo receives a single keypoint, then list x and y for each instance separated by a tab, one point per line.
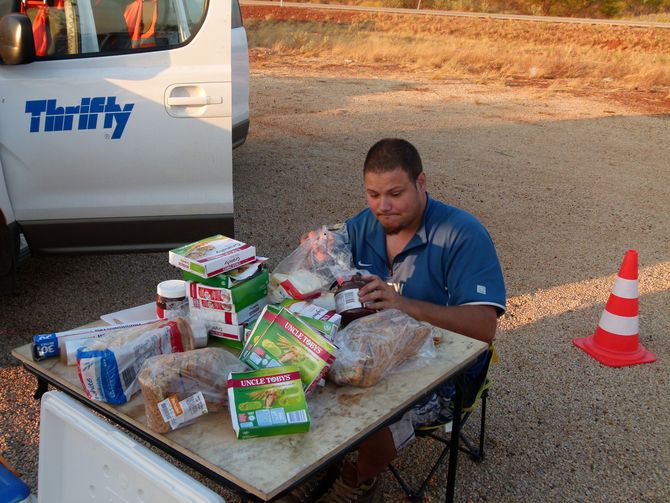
178	412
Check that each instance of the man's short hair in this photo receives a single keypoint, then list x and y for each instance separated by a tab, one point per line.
393	153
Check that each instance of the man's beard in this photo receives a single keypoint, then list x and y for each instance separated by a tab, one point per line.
392	229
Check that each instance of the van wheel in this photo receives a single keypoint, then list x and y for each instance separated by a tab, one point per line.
9	253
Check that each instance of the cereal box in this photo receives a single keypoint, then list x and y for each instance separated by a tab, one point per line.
236	298
232	278
281	338
212	256
224	313
325	321
229	335
267	402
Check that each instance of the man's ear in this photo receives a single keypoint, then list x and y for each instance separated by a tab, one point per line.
421	181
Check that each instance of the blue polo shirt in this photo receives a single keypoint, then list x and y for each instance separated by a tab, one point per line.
450	261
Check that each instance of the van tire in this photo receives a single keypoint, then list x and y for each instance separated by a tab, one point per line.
9	253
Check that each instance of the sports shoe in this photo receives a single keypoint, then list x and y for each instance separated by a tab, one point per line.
444	418
315	486
341	492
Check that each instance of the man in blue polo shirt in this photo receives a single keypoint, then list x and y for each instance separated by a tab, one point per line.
435	262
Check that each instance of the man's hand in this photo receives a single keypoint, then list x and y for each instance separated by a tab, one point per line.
377	294
476	321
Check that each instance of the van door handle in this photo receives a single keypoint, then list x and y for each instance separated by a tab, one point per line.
193	101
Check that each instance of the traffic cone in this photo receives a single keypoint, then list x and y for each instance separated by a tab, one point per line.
616	340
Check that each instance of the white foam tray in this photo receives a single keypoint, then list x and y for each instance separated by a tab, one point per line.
83	458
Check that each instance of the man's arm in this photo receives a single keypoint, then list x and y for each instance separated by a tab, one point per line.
475	321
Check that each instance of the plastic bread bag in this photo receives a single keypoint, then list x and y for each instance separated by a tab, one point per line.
313	267
196	338
108	366
378	344
178	388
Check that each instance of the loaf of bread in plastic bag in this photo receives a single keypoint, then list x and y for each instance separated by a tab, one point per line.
183	375
373	346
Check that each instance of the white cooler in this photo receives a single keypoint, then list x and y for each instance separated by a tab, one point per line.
83	458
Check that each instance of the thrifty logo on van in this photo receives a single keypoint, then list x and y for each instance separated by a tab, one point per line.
62	118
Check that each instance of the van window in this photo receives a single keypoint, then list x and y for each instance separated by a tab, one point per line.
64	28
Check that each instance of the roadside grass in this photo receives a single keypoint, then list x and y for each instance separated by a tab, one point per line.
655	10
444	48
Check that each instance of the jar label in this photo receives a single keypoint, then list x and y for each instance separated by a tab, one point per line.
346	300
164	304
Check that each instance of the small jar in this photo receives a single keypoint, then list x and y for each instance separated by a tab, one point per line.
347	302
170	297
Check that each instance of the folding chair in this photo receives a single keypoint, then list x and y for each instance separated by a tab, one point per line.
472	401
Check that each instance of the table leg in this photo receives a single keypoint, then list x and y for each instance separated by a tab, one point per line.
453	446
42	387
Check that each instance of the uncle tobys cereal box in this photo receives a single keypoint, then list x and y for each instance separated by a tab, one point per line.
211	256
325	321
267	402
281	338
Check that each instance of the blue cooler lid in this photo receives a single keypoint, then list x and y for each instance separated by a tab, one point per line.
12	488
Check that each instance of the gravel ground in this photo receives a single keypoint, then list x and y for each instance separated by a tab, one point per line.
564	183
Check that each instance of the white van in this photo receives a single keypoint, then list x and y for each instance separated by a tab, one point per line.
117	123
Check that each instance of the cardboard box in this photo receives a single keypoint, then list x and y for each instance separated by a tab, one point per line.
210	310
230	335
267	402
280	338
236	298
211	256
231	278
325	321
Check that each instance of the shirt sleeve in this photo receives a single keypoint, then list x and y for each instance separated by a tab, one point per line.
473	273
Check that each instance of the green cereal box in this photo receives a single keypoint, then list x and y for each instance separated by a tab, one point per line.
267	402
281	338
325	321
237	289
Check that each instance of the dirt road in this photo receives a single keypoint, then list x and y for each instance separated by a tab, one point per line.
565	185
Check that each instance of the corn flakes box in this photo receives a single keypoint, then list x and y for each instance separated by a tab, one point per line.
280	338
267	402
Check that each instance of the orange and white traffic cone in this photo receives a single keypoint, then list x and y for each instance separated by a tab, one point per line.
616	340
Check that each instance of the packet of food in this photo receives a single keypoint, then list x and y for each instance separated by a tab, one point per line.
324	320
178	388
280	338
267	402
108	366
374	346
312	267
212	256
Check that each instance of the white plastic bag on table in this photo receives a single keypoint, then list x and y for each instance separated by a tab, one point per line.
378	344
108	366
312	267
180	387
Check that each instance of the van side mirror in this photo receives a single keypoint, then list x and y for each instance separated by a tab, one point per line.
17	45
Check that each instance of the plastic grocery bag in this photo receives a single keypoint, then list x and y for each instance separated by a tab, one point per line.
378	344
108	366
178	388
312	268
